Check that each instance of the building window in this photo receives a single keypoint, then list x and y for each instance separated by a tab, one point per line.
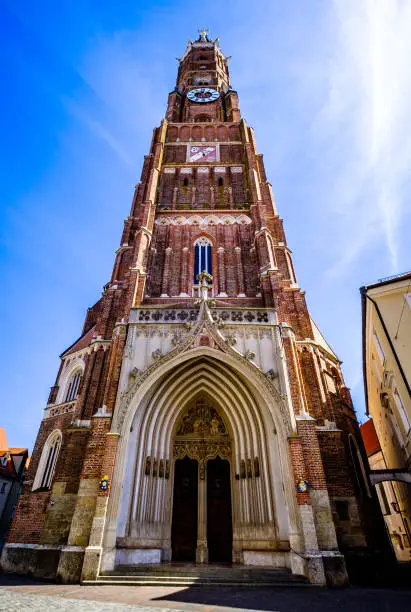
378	346
401	411
383	499
73	386
48	461
202	257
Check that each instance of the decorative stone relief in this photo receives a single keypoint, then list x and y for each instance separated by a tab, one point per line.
246	468
202	420
203	220
249	355
231	340
202	435
147	315
157	468
204	320
58	410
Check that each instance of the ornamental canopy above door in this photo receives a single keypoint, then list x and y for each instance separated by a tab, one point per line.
201	435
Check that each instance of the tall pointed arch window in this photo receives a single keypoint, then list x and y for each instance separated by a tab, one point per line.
48	461
202	257
73	386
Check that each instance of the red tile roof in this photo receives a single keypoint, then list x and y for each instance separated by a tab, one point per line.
370	439
81	343
8	469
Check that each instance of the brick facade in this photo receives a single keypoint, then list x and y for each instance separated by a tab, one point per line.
228	200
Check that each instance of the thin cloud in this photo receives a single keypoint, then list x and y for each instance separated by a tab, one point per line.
367	113
98	129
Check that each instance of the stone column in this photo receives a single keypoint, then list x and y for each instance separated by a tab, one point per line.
240	273
230	197
202	548
212	197
184	273
174	202
117	348
166	270
221	273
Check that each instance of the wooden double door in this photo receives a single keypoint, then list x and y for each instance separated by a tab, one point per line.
202	507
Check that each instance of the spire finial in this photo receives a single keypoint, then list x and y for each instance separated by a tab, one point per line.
204	32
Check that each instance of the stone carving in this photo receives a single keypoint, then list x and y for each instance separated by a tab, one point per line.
60	409
249	355
246	468
148	315
202	420
124	400
241	219
202	435
231	340
177	338
202	451
161	468
156	354
271	375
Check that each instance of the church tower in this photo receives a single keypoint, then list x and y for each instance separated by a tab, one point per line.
201	416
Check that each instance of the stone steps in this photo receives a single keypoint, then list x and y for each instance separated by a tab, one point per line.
191	575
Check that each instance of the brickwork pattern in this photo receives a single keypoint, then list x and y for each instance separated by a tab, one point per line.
252	267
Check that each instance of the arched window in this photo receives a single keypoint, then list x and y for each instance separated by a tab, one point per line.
202	257
73	386
48	460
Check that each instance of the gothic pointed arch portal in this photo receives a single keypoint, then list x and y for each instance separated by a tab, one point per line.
202	452
202	407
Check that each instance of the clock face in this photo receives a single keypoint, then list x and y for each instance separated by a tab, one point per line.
203	94
202	153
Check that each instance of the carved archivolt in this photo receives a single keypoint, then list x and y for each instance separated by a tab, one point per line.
203	325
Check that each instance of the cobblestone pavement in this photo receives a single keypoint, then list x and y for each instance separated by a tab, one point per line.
16	602
22	593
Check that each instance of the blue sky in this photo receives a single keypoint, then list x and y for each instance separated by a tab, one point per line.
326	84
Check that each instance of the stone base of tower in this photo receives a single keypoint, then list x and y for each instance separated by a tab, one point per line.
60	563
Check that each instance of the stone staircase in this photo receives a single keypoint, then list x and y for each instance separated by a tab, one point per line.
187	575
